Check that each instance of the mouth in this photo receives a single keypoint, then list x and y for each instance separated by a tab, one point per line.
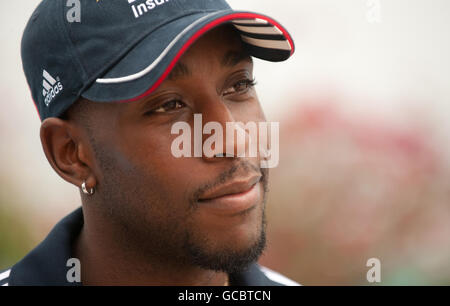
234	198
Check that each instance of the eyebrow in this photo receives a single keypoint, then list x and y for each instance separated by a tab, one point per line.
180	70
230	59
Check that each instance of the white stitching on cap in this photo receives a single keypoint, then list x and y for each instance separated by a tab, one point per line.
259	30
266	43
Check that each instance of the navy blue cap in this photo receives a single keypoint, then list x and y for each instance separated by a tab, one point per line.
122	50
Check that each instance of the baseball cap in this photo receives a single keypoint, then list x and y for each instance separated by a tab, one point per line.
122	50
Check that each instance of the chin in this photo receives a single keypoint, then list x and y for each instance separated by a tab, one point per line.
225	243
230	253
238	232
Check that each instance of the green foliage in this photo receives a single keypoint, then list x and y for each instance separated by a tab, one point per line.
15	240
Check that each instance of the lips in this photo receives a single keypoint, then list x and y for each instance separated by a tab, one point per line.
235	187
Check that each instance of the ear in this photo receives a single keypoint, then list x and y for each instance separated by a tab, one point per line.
68	151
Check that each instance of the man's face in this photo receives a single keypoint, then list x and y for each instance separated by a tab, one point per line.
164	204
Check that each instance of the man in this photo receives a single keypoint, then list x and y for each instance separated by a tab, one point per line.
108	90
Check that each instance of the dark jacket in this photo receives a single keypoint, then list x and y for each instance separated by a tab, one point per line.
46	264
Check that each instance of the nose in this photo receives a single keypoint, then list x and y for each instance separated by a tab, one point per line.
223	137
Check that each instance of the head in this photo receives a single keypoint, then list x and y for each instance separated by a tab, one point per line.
155	204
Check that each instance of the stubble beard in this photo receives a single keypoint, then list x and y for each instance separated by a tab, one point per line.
167	242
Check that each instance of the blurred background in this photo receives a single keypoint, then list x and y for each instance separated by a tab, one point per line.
364	169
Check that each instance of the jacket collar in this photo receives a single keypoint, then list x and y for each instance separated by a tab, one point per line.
46	265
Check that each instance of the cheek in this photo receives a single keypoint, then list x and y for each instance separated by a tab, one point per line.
250	110
149	153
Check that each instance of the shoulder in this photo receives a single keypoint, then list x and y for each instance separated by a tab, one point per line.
277	277
4	277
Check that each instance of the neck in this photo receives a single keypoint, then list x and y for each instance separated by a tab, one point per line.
105	261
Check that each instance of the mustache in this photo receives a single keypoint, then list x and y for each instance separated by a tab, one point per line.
239	168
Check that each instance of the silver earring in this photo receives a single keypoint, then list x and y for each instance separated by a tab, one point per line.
85	190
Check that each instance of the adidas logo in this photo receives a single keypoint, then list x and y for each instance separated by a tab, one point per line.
52	87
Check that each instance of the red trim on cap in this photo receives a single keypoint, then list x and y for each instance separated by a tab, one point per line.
197	35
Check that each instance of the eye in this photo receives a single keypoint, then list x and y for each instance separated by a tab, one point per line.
168	107
240	87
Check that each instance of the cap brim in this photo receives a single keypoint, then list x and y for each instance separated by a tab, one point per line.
147	65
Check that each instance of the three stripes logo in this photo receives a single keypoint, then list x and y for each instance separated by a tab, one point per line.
52	87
